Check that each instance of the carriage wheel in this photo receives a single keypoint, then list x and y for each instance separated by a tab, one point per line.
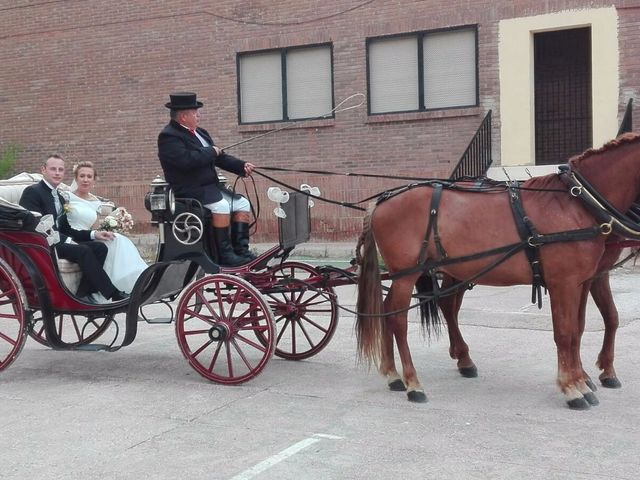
306	318
215	317
13	322
74	329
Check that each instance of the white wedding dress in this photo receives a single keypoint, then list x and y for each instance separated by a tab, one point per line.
123	264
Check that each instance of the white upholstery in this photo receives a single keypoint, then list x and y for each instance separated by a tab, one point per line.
11	191
70	274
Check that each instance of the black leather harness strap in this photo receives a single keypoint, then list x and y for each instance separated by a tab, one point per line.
530	242
527	232
432	225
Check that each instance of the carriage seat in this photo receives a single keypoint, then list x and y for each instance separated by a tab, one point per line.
11	191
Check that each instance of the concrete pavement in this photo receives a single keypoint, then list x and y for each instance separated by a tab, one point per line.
143	412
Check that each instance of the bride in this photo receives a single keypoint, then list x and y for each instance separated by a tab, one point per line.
123	263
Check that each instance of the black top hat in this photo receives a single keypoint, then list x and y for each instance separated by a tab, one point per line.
183	101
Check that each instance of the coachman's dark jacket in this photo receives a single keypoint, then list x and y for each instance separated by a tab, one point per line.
189	167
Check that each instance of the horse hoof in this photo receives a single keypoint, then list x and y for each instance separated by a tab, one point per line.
397	386
469	372
591	385
417	396
578	404
591	398
610	382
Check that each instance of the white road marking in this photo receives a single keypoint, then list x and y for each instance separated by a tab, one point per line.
283	455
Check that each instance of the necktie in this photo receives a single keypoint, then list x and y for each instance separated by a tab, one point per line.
56	201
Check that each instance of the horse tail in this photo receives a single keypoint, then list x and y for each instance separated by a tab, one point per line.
429	315
369	322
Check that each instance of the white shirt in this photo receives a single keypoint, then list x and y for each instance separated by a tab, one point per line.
199	137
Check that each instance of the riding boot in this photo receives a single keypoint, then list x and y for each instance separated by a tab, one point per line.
226	255
240	240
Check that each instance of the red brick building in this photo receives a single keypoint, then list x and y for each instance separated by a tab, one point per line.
89	80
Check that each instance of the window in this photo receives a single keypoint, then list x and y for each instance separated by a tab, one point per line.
423	71
287	84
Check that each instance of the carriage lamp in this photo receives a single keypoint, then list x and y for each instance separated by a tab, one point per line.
160	200
161	203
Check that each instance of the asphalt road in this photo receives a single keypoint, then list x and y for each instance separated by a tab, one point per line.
142	412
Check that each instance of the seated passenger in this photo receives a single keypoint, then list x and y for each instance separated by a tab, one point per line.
44	198
123	263
189	159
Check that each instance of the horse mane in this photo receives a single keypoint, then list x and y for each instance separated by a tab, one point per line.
615	143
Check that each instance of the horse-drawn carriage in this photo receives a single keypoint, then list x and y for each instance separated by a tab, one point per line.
226	319
230	321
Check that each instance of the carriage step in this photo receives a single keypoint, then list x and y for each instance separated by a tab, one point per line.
93	347
156	320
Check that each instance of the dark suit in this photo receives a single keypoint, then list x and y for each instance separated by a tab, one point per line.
88	254
189	167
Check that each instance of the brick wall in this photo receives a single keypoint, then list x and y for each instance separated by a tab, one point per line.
89	80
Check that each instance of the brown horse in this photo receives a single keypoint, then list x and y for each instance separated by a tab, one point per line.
470	223
600	291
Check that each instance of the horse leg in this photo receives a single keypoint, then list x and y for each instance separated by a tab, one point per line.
458	348
387	363
398	299
584	296
565	310
601	294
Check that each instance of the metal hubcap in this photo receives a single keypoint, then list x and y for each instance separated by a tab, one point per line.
219	333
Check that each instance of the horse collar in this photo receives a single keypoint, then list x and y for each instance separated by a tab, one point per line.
610	217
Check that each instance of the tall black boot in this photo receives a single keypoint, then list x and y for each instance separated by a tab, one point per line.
226	256
240	240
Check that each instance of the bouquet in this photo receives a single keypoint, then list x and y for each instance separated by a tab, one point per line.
119	221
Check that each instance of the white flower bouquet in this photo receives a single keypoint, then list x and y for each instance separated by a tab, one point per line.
119	221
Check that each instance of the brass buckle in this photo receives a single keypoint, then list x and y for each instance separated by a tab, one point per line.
576	190
532	242
606	228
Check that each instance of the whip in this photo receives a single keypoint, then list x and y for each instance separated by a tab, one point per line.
338	108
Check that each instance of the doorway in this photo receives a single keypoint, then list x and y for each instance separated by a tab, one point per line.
562	90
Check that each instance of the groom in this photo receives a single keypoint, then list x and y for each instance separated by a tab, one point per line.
44	198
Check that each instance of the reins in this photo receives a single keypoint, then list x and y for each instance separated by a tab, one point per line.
530	242
481	185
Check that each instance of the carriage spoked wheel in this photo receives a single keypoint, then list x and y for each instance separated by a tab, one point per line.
217	320
74	329
306	317
13	321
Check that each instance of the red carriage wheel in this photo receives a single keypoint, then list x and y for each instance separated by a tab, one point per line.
217	320
74	329
306	314
13	322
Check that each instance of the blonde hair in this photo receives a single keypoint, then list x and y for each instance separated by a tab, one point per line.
85	164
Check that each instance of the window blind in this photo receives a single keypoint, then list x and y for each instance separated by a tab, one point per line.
450	69
393	75
309	82
260	87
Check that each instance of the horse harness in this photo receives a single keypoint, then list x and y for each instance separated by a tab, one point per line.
530	240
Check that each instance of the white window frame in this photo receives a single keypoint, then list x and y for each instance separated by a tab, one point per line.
285	113
419	38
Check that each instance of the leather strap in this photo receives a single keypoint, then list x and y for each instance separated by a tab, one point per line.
527	231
